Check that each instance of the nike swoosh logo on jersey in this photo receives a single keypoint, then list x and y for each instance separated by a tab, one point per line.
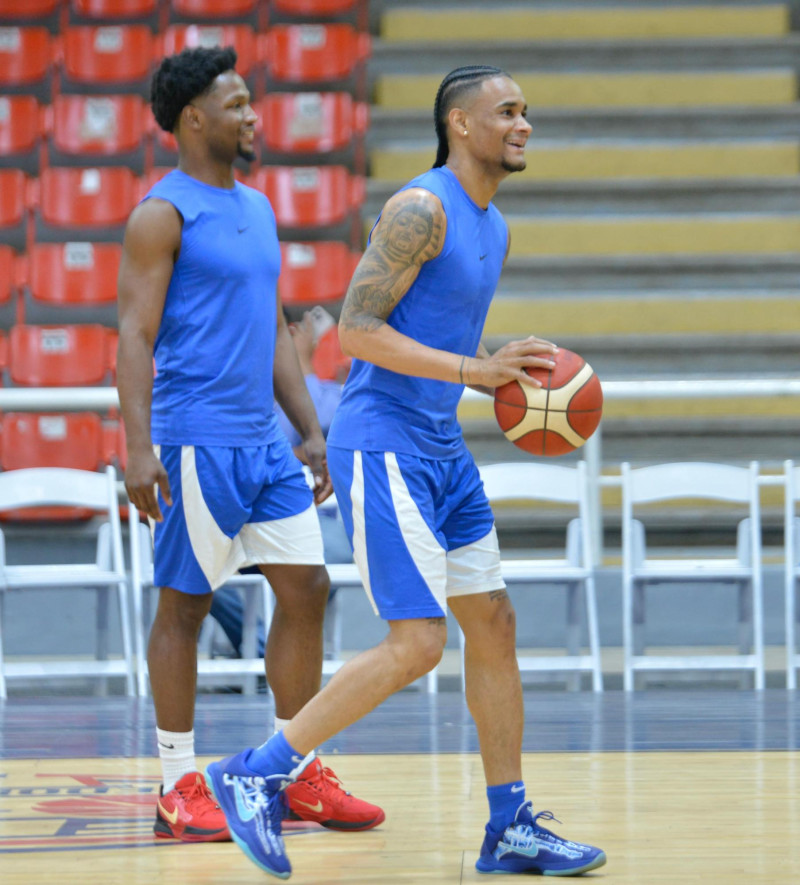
317	808
482	257
241	230
172	816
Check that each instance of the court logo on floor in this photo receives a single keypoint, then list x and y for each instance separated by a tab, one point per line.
65	812
79	812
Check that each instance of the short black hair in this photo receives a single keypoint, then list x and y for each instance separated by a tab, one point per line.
454	86
184	76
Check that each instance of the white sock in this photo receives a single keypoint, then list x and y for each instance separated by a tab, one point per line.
280	724
176	752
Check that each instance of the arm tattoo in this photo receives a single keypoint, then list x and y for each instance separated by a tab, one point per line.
498	595
409	234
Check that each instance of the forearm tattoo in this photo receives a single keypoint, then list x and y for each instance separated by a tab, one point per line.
410	233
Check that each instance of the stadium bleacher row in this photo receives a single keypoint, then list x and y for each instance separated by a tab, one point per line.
79	147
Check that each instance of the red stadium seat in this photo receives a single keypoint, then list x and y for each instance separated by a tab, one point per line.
314	53
241	37
73	282
315	273
217	10
50	440
26	60
90	204
63	440
307	197
59	356
109	58
108	11
13	203
13	10
313	123
8	274
20	131
316	8
87	129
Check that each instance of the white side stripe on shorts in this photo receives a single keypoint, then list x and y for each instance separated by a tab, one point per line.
216	554
425	550
359	528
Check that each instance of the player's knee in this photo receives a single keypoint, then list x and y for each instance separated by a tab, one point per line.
182	611
420	650
503	623
302	592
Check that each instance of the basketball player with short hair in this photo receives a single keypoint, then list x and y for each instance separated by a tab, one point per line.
409	490
207	460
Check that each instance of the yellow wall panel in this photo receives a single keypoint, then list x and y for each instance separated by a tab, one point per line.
640	89
685	235
652	315
659	22
663	160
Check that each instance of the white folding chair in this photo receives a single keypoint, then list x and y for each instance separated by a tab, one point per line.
257	604
791	546
51	486
532	484
690	483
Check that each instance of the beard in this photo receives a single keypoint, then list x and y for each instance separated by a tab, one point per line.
519	166
248	155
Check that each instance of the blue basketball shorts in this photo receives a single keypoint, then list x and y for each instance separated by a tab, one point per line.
232	507
422	529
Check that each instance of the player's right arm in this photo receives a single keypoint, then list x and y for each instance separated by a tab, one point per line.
152	242
411	231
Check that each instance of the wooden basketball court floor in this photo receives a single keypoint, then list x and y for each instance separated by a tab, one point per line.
676	785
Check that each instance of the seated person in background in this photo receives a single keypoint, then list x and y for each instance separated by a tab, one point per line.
227	607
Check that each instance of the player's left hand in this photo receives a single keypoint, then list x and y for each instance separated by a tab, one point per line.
314	448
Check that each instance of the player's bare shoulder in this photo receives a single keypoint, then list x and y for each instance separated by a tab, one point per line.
412	227
154	222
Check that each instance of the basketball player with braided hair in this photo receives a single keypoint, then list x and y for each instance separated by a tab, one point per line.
207	460
409	490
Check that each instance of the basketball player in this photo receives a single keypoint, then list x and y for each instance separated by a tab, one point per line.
410	493
207	461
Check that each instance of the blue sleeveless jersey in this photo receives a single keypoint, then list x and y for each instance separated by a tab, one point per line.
215	347
445	308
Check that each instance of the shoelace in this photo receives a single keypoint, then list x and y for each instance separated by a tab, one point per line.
197	792
329	777
528	830
256	796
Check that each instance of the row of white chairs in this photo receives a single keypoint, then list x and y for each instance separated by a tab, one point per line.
528	484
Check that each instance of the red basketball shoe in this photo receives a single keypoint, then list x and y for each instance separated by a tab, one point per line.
317	795
190	813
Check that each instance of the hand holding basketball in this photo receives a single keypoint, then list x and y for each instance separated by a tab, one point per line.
557	417
506	363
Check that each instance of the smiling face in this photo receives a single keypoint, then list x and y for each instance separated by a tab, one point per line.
229	120
494	118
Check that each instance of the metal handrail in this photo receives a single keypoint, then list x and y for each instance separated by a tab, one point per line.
77	398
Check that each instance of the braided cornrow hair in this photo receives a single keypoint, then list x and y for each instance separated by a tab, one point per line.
452	88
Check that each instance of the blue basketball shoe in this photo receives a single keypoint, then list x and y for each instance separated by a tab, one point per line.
253	807
525	847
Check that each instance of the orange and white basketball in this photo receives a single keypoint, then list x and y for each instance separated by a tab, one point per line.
557	417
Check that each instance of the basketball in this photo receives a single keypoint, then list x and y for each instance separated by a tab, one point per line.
557	417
